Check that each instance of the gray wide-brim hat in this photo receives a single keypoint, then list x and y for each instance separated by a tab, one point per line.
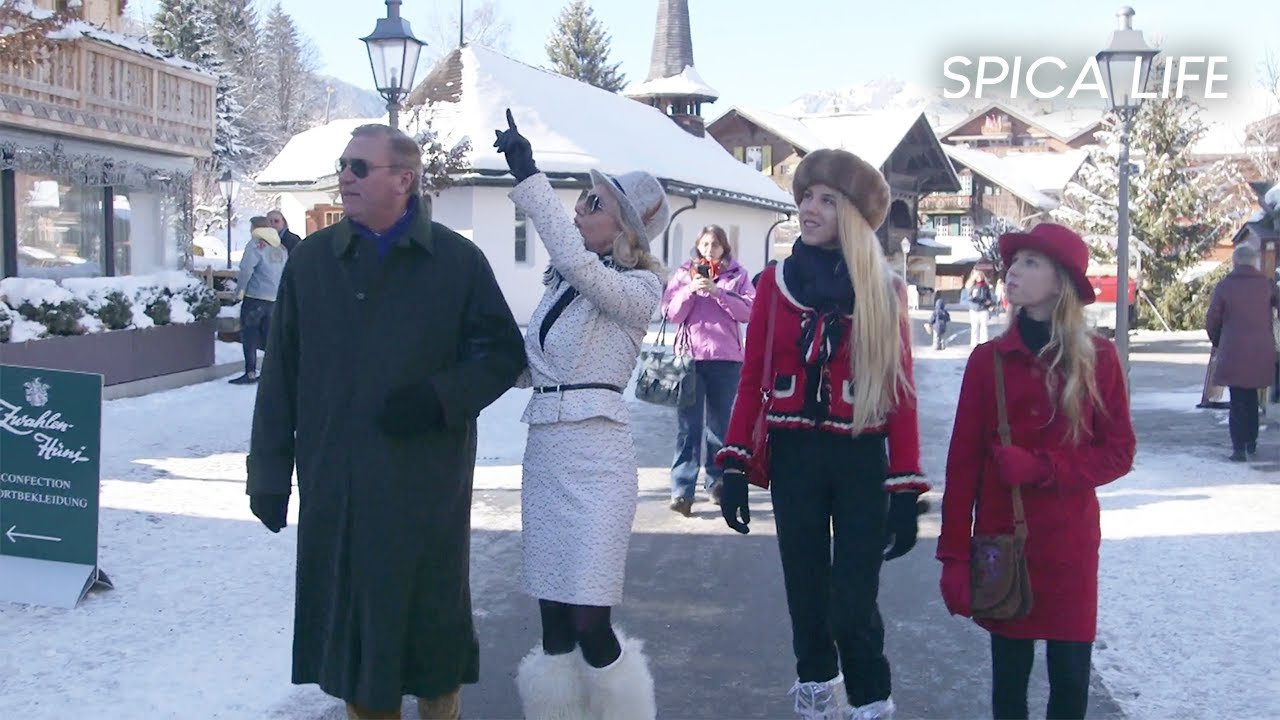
641	199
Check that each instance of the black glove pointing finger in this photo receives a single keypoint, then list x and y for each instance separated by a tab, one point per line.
516	148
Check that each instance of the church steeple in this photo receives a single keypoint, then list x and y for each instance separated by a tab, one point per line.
672	41
673	86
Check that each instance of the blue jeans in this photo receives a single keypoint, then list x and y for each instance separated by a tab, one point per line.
702	425
255	324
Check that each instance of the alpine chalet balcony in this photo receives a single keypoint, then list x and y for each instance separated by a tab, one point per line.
105	90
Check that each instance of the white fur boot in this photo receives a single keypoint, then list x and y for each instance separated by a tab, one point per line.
622	690
551	686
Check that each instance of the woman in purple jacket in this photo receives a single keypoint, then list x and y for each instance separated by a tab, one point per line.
708	297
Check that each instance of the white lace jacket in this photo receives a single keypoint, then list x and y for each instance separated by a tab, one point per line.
598	336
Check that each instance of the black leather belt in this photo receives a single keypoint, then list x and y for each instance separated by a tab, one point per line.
576	386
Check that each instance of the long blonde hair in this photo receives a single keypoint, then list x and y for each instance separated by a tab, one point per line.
1072	359
875	338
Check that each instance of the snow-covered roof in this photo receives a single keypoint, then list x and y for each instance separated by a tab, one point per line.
787	127
872	136
573	127
994	169
76	29
309	156
962	249
1048	172
1064	125
688	82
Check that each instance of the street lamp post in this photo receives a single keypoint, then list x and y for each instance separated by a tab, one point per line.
1125	66
230	187
905	246
393	55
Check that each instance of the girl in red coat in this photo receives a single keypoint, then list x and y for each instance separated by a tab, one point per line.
825	434
1068	413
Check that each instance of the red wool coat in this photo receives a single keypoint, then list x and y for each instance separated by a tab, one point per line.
1063	530
787	402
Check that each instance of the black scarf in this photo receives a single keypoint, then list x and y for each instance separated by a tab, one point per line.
819	278
1035	334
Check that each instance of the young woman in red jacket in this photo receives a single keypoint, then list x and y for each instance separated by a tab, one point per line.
827	373
1068	412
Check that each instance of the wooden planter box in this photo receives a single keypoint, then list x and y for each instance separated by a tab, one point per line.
120	356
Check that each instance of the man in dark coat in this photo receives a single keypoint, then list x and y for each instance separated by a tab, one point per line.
1239	324
390	335
288	238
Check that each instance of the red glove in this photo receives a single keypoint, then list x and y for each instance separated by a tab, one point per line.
1015	466
955	587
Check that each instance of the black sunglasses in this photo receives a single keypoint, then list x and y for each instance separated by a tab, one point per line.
593	202
359	168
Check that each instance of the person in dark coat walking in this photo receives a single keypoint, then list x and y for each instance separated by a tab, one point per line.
1068	414
841	436
390	335
1239	324
288	238
938	322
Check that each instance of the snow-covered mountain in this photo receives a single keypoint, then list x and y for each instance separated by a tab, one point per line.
886	93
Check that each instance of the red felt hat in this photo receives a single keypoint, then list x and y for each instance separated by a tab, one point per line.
1062	244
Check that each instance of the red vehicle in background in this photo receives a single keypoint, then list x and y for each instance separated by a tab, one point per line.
1101	315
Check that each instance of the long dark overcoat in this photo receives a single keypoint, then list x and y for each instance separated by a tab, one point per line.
383	604
1239	325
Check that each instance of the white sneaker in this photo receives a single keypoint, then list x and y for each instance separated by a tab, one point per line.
821	700
878	710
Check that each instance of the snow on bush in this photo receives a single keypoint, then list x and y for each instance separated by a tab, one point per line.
6	322
81	305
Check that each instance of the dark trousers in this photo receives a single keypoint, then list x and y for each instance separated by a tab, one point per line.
702	425
255	322
1011	662
827	486
1242	420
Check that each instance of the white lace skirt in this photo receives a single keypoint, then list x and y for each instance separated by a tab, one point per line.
578	501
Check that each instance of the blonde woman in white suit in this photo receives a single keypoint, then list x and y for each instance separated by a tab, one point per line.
580	483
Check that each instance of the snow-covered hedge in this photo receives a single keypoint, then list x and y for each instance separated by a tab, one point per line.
32	308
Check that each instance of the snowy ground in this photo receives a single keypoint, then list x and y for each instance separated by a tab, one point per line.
201	617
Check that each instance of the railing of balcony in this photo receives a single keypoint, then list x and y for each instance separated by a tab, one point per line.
141	100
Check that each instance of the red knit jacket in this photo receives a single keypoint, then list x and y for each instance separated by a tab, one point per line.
792	402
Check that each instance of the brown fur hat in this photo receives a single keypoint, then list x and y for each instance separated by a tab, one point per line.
849	174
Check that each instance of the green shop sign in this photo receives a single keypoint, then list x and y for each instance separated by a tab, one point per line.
50	442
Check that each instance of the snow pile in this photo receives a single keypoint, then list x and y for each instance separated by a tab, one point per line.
156	299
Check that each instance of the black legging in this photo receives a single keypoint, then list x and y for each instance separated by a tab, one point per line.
1011	661
566	626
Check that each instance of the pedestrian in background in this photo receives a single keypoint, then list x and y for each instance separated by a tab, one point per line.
981	299
938	321
708	298
1067	410
261	265
831	324
1239	323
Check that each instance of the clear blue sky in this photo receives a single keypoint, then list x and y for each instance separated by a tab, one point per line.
768	52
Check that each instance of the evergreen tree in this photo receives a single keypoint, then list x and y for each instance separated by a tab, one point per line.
1179	206
579	48
239	48
289	86
188	30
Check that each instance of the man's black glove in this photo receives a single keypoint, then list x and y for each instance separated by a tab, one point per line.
901	526
271	509
411	410
516	148
733	500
